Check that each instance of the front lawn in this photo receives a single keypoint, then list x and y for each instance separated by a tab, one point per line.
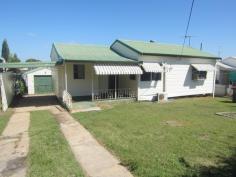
49	154
180	138
4	118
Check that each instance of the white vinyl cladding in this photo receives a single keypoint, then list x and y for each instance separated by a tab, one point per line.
117	69
203	67
152	67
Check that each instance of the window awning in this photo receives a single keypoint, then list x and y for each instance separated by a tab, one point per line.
152	67
117	69
203	67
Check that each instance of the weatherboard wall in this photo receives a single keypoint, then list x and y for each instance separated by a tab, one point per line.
179	77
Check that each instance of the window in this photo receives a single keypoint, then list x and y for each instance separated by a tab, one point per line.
132	77
156	76
145	76
198	75
79	71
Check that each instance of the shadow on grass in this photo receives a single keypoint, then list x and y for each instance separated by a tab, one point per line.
226	101
226	167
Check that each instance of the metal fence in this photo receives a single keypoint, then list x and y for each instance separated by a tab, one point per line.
114	94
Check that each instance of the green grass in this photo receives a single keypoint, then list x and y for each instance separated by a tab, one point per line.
4	118
179	138
49	154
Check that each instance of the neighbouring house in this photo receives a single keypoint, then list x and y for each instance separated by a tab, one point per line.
225	76
131	69
7	90
38	81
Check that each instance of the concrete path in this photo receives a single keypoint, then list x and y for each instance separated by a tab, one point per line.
14	145
93	158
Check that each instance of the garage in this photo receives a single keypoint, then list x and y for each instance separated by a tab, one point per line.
43	84
39	81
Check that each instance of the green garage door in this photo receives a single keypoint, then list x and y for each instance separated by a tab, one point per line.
43	84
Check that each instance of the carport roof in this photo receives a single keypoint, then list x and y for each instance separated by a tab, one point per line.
88	53
27	64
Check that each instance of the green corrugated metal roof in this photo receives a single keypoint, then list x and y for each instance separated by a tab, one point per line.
94	53
155	48
27	65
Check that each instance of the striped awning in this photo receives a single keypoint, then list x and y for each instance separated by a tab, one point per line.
117	69
152	67
203	67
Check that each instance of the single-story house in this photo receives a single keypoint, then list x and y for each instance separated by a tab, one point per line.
131	69
39	80
225	76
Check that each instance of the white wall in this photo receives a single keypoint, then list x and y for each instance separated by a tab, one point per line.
81	87
179	82
148	89
7	89
30	78
178	79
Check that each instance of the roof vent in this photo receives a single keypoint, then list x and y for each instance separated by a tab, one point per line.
152	41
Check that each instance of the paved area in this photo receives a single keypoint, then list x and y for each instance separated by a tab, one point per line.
14	145
93	157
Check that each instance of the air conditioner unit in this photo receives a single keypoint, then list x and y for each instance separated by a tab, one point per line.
162	97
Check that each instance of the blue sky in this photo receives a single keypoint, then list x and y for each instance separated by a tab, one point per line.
31	26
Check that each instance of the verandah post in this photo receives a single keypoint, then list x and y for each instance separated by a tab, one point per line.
92	86
65	70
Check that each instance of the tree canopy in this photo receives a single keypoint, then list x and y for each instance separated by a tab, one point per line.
5	50
7	55
13	58
32	60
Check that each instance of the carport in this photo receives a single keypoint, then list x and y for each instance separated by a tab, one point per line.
7	81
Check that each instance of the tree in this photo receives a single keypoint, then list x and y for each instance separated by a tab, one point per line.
5	50
14	58
32	60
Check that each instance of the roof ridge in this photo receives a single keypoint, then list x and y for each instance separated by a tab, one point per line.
79	44
156	42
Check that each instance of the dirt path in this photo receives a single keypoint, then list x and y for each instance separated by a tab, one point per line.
93	158
14	145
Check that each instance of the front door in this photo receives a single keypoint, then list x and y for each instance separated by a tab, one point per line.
111	82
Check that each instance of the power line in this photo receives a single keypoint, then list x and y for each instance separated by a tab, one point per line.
186	31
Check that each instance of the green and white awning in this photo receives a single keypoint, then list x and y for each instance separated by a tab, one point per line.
152	67
117	69
203	67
